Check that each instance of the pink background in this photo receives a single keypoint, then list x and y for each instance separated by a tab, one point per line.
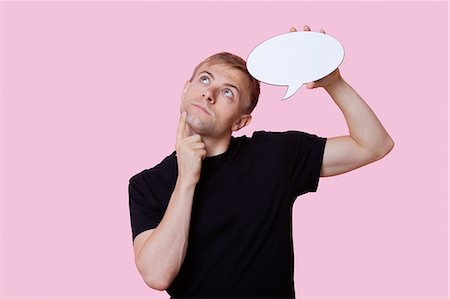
90	96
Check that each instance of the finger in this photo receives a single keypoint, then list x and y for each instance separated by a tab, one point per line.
198	145
293	29
323	31
306	28
202	154
194	138
181	130
189	131
310	85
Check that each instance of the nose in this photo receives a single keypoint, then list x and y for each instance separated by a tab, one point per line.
208	96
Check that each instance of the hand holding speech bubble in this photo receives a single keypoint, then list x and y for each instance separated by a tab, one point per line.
295	58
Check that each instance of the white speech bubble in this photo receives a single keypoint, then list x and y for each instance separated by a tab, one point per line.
295	58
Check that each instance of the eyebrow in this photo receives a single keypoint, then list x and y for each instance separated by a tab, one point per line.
227	84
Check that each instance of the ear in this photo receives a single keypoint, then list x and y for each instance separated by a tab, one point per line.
186	86
242	122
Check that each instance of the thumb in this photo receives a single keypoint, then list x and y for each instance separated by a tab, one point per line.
311	85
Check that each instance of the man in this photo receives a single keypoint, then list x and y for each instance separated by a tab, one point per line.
214	218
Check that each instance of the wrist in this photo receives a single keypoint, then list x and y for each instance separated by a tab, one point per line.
335	85
185	184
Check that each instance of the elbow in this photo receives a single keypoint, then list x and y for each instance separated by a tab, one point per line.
156	284
386	148
152	279
389	145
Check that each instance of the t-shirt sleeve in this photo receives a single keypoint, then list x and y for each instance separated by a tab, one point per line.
300	156
145	212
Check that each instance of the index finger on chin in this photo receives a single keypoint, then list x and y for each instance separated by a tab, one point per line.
181	130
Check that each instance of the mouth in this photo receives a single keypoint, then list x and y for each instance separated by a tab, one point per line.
201	108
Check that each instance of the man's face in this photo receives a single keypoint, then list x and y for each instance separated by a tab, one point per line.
215	99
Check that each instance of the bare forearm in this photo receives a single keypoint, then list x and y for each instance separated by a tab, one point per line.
363	124
163	253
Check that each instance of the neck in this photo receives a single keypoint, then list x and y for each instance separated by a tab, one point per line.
216	147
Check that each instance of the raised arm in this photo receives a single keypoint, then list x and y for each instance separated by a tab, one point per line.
367	141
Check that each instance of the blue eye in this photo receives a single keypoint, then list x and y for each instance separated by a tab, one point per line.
204	77
230	92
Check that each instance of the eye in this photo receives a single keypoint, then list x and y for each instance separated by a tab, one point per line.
204	77
229	93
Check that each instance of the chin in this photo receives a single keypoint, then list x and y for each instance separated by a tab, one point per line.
195	122
200	126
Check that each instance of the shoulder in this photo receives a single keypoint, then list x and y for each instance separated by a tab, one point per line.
276	134
288	146
284	137
164	168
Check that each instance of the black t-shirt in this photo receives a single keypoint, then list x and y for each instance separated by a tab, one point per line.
240	237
